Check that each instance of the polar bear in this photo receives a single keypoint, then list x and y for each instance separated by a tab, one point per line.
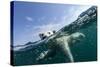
61	43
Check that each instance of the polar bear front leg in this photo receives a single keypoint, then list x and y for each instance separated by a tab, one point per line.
42	55
67	52
46	54
64	47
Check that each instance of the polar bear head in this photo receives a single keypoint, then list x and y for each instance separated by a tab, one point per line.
46	34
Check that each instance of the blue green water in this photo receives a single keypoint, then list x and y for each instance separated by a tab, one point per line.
82	51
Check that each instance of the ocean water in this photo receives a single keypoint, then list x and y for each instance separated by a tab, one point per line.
83	51
87	49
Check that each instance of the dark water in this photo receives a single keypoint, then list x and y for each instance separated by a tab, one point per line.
86	50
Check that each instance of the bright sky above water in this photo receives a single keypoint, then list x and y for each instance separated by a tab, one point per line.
31	18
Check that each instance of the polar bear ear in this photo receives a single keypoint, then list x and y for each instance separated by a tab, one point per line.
41	34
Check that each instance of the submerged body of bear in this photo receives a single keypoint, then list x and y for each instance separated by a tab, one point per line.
61	43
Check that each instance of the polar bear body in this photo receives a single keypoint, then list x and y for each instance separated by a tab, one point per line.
61	43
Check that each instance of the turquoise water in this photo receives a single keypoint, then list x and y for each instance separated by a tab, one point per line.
82	51
87	49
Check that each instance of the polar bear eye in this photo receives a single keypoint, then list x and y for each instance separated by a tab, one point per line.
48	32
